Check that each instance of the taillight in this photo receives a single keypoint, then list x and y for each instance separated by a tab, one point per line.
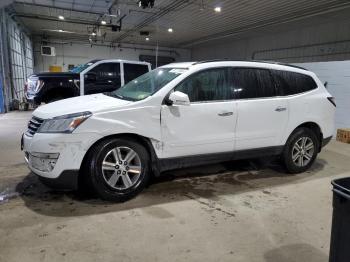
332	100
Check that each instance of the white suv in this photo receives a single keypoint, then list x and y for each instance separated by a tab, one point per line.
180	115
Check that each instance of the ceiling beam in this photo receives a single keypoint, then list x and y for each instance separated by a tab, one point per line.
71	21
58	8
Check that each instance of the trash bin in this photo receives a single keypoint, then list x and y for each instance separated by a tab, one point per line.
340	238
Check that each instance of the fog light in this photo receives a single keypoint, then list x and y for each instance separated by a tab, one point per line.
44	162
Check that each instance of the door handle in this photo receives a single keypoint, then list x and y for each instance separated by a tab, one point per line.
225	114
280	109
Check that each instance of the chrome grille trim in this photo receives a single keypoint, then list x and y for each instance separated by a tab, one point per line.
33	125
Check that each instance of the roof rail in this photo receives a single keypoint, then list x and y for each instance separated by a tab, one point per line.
208	61
256	61
279	63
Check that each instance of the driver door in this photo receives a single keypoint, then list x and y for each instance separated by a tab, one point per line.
205	126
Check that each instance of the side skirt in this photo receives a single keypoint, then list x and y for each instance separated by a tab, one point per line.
198	160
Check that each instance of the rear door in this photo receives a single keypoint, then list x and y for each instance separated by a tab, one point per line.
205	126
262	115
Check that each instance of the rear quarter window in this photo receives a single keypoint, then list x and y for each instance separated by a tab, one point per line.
291	83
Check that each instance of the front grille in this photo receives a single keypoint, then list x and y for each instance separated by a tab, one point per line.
34	125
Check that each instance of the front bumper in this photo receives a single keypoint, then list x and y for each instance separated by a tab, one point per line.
69	149
67	180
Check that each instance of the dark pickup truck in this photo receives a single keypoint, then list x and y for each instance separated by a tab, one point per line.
97	76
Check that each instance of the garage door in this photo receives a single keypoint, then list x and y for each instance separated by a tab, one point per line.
337	74
21	58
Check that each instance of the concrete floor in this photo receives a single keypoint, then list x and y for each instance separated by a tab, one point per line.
228	212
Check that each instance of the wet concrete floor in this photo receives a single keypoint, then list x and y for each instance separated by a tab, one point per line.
237	211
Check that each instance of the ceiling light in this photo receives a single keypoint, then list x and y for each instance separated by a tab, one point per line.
103	22
170	30
61	17
147	38
217	9
93	33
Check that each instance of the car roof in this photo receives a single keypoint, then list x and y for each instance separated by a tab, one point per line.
238	63
179	65
119	60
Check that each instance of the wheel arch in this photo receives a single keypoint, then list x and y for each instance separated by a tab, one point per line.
314	127
144	141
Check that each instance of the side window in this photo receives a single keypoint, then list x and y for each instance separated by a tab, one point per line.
266	85
132	71
107	71
291	83
252	83
208	85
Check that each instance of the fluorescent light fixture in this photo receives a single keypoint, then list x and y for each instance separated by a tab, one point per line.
170	30
147	38
61	17
103	22
217	9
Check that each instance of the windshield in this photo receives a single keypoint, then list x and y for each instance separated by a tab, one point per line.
79	68
147	84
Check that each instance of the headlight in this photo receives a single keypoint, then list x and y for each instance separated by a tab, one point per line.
34	85
63	124
39	85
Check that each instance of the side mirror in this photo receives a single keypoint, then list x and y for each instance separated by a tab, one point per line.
90	76
179	98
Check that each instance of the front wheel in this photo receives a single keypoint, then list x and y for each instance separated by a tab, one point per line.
118	169
300	150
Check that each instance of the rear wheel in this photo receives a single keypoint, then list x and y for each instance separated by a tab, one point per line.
300	150
118	169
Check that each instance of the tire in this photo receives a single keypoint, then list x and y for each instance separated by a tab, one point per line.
125	179
299	148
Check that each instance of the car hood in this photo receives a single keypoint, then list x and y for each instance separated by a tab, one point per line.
93	103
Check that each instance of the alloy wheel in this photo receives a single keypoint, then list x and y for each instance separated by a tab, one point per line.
121	168
303	151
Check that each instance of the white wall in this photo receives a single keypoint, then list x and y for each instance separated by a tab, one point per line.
337	74
81	53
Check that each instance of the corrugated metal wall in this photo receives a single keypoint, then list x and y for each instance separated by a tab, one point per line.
315	39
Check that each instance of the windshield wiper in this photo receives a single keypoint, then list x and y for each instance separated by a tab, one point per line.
119	96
